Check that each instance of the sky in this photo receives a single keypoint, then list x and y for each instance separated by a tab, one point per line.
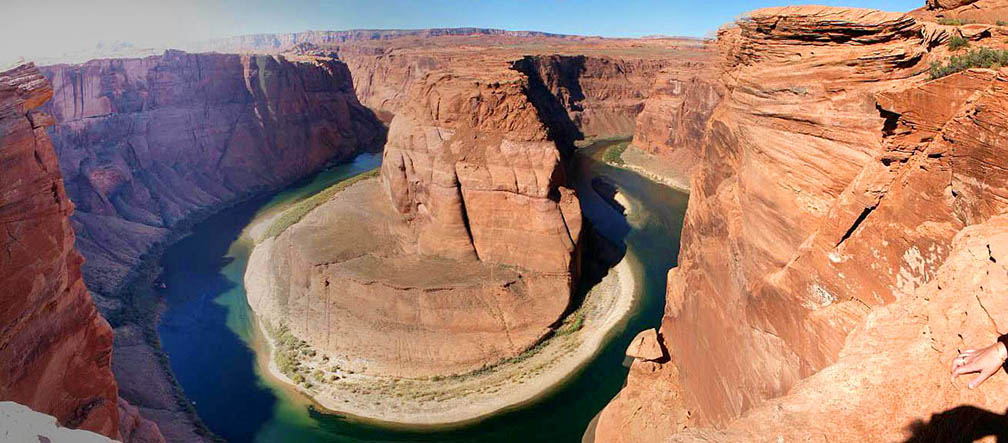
50	28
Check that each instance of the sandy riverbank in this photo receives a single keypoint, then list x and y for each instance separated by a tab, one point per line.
657	168
463	397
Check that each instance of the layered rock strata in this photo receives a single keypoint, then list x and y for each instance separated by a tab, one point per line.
830	238
148	144
974	13
602	88
55	349
472	165
145	144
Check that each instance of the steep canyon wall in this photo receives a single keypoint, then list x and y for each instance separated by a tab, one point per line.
146	143
831	237
55	349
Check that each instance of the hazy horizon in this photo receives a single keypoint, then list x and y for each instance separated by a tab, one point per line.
56	29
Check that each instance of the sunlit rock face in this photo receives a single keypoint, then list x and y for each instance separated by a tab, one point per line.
55	349
826	244
674	118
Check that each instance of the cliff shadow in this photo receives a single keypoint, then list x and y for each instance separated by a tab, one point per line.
554	88
605	225
599	256
960	424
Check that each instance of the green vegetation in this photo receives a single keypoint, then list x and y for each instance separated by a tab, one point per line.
571	324
1001	23
977	58
296	212
614	155
957	43
954	21
288	347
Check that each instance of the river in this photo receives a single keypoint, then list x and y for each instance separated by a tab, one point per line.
208	334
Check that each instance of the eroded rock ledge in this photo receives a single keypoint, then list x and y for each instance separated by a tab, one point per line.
834	248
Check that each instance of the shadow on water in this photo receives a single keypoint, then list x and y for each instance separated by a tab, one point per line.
960	424
206	329
206	357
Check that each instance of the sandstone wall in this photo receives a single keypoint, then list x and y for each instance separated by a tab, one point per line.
472	165
348	279
601	82
674	117
464	254
602	95
890	383
55	349
474	172
835	177
146	143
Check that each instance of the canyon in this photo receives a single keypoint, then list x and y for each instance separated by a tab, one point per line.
150	145
474	212
844	239
147	146
841	241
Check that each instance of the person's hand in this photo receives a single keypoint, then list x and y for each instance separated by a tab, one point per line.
984	362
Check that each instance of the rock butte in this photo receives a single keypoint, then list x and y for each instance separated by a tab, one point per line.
843	240
55	349
483	234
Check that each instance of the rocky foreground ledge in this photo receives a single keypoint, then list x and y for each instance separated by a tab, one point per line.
844	239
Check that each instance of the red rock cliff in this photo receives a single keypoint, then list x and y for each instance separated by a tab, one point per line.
146	143
55	349
831	249
473	163
674	117
602	82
